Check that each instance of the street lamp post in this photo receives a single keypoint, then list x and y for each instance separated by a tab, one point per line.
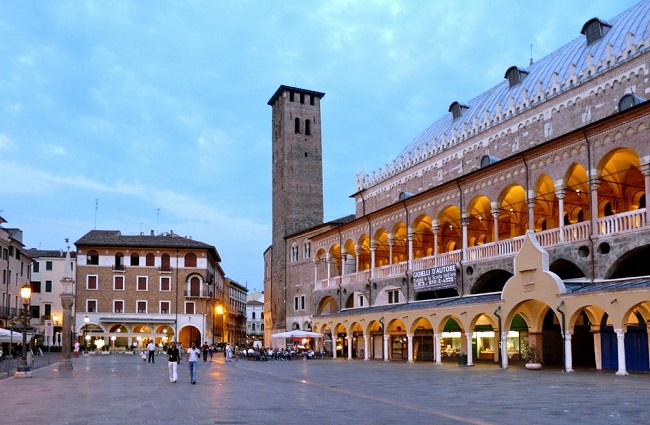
220	312
67	300
86	321
24	370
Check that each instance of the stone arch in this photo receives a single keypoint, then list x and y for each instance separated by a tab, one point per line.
632	263
491	281
327	305
566	269
422	236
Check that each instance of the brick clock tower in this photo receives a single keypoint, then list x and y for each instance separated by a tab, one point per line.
297	189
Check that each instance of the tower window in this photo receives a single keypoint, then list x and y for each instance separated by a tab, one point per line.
307	128
297	125
311	100
290	96
302	97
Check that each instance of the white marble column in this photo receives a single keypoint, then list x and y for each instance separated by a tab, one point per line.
495	214
410	235
468	336
349	347
409	338
391	243
620	339
531	210
436	348
386	357
435	228
568	354
464	221
560	193
504	350
595	184
366	346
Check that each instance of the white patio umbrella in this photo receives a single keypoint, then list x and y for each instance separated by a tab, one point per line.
297	333
7	335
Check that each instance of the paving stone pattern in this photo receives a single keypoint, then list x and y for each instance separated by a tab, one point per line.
121	389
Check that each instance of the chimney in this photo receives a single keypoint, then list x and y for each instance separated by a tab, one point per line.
152	233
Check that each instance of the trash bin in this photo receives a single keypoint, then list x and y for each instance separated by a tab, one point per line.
462	359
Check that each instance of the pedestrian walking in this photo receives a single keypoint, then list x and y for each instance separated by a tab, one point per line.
173	358
151	348
228	352
193	355
211	351
205	348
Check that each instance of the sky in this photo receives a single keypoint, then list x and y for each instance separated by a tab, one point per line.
152	115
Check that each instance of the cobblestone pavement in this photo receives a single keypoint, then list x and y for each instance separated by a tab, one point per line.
122	389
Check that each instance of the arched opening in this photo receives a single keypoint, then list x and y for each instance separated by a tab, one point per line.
566	269
492	281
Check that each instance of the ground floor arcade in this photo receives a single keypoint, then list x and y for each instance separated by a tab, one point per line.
601	325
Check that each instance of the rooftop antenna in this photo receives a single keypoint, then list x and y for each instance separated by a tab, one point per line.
96	208
531	54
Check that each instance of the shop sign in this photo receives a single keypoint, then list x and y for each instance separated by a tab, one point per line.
434	278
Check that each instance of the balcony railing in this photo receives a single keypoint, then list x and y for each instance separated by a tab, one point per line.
621	223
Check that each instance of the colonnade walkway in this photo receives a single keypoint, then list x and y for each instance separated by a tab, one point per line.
122	389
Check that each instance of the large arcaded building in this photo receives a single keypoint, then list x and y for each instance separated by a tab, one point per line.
518	218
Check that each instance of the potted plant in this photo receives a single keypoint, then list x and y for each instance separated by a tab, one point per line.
532	356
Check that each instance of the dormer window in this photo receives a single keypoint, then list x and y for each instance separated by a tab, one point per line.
457	109
515	75
628	101
594	30
489	160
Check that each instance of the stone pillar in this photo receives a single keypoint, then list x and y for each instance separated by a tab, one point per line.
349	347
504	350
531	210
645	169
366	346
67	301
495	214
568	354
315	273
435	227
560	193
328	261
436	348
334	338
373	248
409	338
598	352
468	336
391	243
464	221
595	184
386	358
410	234
620	339
357	252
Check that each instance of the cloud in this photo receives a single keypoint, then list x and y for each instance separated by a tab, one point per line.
6	143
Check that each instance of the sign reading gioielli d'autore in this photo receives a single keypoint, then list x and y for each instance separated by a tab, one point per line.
434	278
